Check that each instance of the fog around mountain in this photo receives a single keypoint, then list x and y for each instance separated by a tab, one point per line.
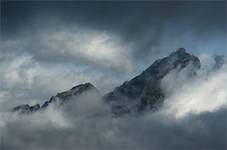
50	47
193	116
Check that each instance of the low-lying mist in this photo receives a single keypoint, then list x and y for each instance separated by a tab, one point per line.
193	116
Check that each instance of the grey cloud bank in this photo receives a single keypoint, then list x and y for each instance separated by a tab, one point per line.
63	129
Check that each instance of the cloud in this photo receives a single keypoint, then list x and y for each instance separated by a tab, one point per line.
78	45
69	128
86	122
98	49
106	41
49	47
34	71
204	92
148	27
26	80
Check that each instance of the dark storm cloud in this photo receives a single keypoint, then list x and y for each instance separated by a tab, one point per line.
138	23
204	15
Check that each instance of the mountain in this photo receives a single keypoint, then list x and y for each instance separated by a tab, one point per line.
60	98
219	61
136	95
144	92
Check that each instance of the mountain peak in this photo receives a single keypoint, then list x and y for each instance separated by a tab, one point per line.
144	91
181	50
179	53
177	59
60	97
76	90
87	85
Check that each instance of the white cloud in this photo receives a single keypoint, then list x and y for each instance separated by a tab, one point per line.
61	128
94	47
204	92
54	61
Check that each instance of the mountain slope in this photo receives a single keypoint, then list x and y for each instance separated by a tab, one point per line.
60	98
144	91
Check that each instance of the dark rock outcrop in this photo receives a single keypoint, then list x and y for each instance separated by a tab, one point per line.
60	98
65	96
144	91
22	108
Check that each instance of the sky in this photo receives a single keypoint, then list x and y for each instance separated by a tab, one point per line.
50	46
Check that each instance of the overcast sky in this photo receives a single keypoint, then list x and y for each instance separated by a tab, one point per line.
47	47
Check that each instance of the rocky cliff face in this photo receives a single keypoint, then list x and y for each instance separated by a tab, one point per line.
60	98
137	95
144	91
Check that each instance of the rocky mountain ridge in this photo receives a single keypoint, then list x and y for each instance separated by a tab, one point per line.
60	98
136	95
144	92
